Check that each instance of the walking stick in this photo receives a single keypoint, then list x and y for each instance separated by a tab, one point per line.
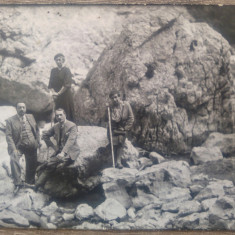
52	116
53	111
111	137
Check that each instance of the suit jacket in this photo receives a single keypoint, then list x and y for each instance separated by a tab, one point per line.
67	141
14	131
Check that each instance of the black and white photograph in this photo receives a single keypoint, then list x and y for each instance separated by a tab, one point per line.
117	117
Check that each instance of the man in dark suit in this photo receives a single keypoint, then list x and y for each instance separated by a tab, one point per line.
22	137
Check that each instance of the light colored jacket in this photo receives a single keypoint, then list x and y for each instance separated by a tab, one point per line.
14	131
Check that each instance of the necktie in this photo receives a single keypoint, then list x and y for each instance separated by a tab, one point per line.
61	129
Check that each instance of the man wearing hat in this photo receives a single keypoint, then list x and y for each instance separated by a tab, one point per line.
60	86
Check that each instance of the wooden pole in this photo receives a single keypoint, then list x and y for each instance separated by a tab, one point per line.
111	137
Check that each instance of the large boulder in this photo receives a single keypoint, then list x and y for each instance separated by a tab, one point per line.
83	175
203	154
167	182
110	210
158	184
84	211
116	182
175	74
225	142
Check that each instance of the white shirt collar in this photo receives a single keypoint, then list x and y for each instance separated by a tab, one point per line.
22	118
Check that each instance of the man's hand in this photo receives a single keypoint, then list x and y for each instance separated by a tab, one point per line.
61	155
55	96
17	154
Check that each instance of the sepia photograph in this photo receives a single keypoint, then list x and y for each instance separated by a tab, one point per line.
117	118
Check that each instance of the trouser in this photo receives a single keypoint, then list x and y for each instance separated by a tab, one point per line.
118	152
118	143
16	169
31	165
50	167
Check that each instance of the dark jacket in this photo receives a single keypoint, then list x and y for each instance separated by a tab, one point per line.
67	142
14	131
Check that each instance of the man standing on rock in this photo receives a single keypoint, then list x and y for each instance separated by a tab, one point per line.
22	135
60	87
122	119
66	148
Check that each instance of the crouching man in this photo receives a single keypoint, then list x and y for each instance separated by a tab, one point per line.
66	149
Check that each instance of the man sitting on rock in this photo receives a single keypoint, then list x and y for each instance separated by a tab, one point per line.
65	135
66	149
122	119
22	137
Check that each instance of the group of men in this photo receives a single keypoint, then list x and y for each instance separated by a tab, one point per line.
22	135
22	132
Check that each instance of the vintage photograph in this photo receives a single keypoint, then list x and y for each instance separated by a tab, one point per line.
117	117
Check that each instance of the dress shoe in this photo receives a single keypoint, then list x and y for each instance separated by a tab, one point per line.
17	188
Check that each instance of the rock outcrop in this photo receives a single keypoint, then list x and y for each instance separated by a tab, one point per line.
28	46
203	154
176	76
83	175
225	142
164	194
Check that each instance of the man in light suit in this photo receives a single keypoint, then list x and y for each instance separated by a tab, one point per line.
22	136
65	135
66	148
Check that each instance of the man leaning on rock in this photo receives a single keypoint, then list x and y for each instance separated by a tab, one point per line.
65	149
122	119
22	136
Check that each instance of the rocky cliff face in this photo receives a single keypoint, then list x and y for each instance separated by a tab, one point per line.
174	73
220	18
30	37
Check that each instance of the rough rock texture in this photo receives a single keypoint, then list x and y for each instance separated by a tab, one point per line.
84	211
174	73
222	18
28	46
226	143
84	174
169	195
156	158
204	154
110	210
116	182
22	209
157	184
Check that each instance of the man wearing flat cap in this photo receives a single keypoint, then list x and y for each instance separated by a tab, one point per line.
60	87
